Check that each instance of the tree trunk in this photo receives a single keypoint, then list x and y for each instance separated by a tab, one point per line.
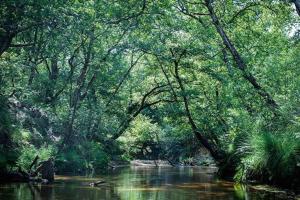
213	150
297	5
241	65
76	94
5	42
137	109
34	162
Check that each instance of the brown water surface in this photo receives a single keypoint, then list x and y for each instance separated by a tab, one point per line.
137	183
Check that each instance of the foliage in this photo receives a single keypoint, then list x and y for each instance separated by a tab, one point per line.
141	138
91	81
87	158
8	151
271	157
29	152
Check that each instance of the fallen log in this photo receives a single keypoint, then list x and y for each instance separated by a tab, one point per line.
97	183
38	180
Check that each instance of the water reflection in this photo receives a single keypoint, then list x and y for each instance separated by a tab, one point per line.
135	184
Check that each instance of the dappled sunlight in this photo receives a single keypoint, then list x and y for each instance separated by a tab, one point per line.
149	99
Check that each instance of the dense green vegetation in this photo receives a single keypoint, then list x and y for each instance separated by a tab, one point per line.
89	82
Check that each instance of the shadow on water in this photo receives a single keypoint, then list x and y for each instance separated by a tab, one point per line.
137	183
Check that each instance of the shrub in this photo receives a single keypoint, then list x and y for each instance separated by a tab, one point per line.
8	146
270	157
29	152
85	158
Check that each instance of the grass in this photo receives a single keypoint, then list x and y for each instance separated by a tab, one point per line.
270	157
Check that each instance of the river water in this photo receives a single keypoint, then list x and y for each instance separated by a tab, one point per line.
137	183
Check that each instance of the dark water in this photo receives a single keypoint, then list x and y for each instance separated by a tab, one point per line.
135	184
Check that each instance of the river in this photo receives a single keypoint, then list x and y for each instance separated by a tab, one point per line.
137	183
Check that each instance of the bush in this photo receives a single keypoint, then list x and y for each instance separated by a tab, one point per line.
29	152
270	157
8	146
86	158
141	139
94	156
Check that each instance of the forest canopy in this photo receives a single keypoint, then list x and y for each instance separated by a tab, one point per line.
93	81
